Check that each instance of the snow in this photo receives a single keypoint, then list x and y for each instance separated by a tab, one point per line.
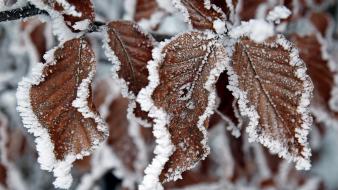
178	5
81	103
82	25
60	29
256	30
164	148
219	26
278	13
44	145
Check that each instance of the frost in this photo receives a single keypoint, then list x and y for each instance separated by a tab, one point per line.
256	30
219	26
178	4
164	148
121	82
81	103
278	13
59	26
82	25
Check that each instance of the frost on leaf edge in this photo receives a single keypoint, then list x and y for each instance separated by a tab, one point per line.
161	118
116	66
44	145
275	147
60	29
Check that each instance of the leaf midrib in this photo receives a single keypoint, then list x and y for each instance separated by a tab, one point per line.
263	89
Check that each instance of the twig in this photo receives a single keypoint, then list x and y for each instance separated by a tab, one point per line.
20	13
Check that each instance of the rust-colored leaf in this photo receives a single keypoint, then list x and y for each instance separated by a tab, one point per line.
198	15
56	105
132	49
119	138
274	92
144	9
52	99
248	9
321	21
322	77
3	176
187	72
129	49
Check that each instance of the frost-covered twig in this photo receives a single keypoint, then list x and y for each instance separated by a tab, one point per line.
20	13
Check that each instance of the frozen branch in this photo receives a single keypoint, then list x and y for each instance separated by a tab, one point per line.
20	13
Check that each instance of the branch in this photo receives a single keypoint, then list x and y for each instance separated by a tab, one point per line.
20	13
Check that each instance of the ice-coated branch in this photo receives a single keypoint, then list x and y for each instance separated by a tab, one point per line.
20	13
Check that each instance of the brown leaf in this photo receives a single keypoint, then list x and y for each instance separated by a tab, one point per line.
56	104
183	93
132	49
129	48
319	71
249	8
52	99
198	15
3	176
274	92
119	138
144	9
321	21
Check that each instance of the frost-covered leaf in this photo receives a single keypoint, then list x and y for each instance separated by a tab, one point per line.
56	106
310	50
199	17
129	49
74	11
144	9
181	97
274	91
69	17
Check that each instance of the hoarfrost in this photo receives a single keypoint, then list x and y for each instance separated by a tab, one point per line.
256	30
278	13
164	148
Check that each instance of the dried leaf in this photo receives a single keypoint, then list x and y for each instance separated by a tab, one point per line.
144	9
181	98
119	138
56	106
198	16
321	21
3	176
274	91
248	9
320	73
129	49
